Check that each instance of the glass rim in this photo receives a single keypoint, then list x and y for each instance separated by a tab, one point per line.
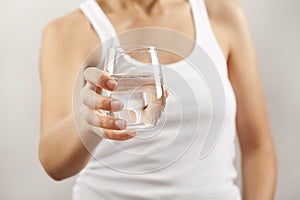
134	48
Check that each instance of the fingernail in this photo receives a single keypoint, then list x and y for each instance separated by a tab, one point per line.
116	105
111	84
132	133
120	123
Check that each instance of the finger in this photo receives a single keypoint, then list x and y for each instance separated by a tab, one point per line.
119	135
95	88
94	118
99	78
114	135
96	101
167	92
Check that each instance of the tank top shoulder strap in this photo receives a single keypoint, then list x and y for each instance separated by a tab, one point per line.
204	32
102	26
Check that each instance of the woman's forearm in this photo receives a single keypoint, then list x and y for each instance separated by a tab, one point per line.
61	150
259	173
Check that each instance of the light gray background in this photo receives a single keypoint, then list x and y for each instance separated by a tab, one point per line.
275	26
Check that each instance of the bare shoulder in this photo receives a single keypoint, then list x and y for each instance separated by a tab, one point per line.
67	38
68	26
226	11
230	22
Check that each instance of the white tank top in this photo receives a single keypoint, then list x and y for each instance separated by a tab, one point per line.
161	167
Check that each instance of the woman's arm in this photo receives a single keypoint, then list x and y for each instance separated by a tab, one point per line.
258	156
66	43
60	150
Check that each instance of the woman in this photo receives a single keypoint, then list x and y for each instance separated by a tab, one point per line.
223	34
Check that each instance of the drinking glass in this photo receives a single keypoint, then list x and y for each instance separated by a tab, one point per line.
140	87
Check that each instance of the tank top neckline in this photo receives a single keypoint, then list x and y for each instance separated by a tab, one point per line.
113	33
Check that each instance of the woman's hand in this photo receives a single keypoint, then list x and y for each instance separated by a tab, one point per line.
93	103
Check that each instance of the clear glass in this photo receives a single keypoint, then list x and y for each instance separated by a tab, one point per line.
138	73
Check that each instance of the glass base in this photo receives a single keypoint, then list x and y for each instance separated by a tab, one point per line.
135	126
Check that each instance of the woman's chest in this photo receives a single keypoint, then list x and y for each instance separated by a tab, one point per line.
179	19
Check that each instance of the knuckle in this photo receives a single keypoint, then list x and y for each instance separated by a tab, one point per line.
106	122
103	103
108	134
101	80
83	92
99	103
84	99
111	122
116	135
81	112
84	113
102	122
89	117
105	135
99	131
124	136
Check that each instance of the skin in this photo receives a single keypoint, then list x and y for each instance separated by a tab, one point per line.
68	40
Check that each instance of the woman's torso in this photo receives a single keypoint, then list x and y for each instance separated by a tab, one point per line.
111	174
